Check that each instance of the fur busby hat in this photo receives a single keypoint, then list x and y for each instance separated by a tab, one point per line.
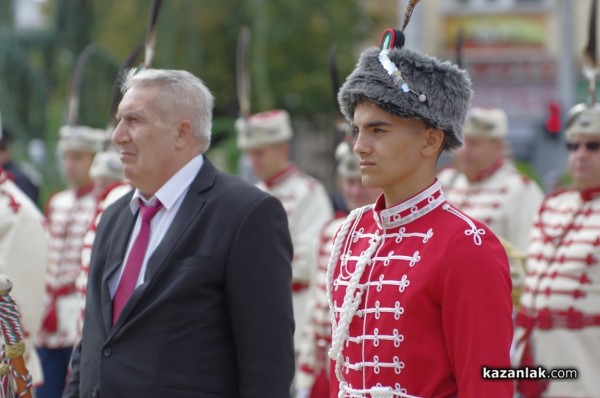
81	138
263	128
348	163
583	120
409	84
486	123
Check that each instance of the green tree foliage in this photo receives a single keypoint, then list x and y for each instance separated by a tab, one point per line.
290	40
289	46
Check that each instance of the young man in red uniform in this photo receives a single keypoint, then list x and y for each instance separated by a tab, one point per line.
420	294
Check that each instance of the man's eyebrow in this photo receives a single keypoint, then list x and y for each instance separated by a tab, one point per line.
377	123
119	115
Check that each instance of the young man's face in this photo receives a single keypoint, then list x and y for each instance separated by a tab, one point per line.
584	161
480	154
76	165
389	147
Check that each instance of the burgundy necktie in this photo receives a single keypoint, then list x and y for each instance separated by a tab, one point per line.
134	261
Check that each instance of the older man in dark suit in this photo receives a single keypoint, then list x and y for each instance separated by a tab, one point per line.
189	287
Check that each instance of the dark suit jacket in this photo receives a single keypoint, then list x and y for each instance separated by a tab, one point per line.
213	318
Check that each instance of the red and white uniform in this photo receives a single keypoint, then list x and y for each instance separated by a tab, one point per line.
308	208
502	198
69	214
316	337
558	325
420	296
23	258
109	196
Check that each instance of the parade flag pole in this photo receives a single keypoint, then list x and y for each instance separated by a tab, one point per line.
13	362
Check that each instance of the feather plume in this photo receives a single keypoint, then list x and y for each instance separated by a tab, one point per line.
243	71
151	33
409	10
573	114
341	125
73	107
459	46
116	90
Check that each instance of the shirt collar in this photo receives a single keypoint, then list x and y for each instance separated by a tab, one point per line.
170	192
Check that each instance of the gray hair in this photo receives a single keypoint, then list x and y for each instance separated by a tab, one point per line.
181	90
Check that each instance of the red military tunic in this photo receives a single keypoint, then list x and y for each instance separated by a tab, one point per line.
558	325
421	300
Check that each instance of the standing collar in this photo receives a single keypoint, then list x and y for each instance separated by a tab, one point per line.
409	210
172	189
79	192
589	194
489	171
281	176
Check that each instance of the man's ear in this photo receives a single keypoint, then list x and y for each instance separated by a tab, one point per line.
185	134
433	143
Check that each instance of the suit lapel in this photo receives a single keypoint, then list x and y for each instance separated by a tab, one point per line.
186	215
